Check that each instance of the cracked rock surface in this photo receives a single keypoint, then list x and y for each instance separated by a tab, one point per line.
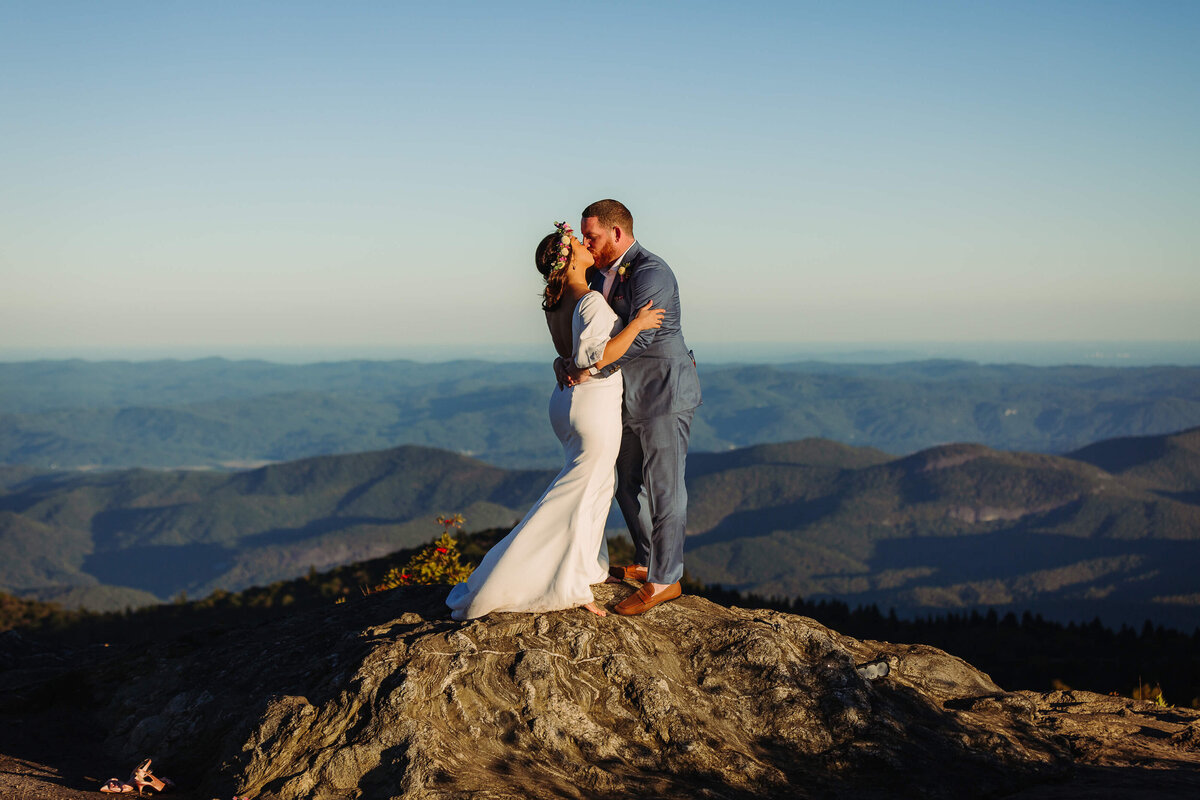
389	698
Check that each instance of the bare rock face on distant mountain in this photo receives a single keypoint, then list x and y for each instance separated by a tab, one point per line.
959	527
388	698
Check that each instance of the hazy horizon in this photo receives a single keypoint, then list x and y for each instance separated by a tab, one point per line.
1098	353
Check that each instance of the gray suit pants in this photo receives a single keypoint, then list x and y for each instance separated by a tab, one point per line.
651	492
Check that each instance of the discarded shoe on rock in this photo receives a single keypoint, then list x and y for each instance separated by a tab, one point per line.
117	786
141	778
874	670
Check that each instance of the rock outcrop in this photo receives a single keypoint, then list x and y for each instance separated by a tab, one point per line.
693	699
389	698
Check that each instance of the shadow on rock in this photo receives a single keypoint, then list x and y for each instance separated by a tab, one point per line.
388	698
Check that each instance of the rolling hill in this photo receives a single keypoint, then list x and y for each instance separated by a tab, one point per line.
165	532
953	527
1169	465
948	528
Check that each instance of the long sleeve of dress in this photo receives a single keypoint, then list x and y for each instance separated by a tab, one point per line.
594	324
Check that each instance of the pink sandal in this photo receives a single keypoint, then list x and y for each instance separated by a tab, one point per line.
116	786
141	778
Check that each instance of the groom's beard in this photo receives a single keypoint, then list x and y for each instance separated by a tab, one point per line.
606	259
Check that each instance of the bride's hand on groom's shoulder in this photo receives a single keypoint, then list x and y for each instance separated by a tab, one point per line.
648	317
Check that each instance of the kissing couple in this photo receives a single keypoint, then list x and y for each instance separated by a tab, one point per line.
622	407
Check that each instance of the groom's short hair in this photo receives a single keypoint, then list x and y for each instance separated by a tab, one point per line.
610	213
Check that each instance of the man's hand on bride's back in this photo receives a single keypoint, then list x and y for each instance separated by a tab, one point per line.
648	317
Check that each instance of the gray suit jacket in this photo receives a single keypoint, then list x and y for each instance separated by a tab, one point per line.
660	373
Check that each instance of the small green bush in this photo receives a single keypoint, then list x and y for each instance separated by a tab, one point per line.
436	563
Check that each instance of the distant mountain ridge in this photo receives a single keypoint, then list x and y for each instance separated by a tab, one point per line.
162	532
1167	464
218	413
955	527
951	527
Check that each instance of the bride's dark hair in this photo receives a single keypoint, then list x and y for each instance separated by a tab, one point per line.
545	258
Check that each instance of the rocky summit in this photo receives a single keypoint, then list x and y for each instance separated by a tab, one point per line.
387	697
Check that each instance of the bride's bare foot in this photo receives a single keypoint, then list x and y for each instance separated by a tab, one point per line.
611	579
595	609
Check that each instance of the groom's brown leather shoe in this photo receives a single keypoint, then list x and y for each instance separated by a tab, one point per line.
645	598
631	573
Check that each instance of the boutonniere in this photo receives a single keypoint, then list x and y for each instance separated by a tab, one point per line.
623	270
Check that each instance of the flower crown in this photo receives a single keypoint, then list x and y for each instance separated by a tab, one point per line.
564	246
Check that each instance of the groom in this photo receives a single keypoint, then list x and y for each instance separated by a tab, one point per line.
661	395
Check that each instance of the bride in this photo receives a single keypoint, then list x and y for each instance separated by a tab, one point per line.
551	559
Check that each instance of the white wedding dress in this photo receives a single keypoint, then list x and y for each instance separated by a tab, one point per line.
551	559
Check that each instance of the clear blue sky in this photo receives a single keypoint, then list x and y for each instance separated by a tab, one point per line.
210	177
